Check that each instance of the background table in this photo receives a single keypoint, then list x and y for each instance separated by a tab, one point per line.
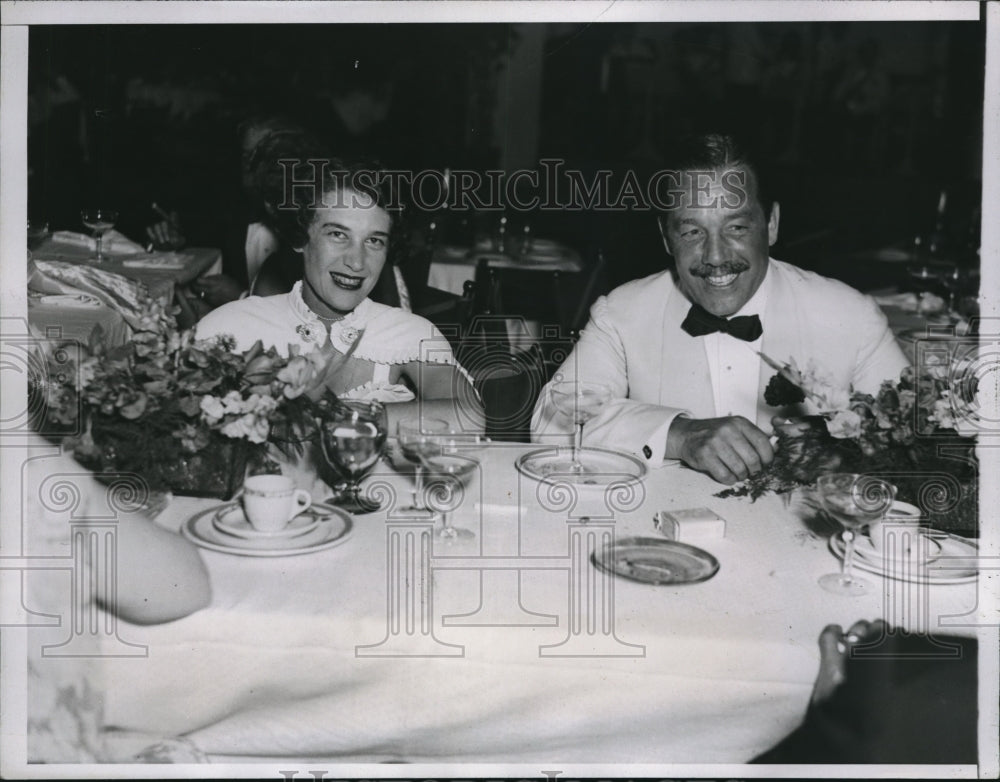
80	322
512	649
77	323
194	262
451	265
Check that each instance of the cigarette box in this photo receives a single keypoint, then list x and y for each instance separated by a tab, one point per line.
690	525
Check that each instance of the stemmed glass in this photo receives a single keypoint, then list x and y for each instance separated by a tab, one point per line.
580	400
418	438
854	501
99	221
452	470
352	435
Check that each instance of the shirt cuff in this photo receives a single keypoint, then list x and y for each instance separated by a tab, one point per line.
656	444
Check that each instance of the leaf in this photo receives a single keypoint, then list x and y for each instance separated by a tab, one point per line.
189	405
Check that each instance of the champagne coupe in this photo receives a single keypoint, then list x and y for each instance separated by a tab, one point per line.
581	401
419	438
451	470
99	221
854	501
353	435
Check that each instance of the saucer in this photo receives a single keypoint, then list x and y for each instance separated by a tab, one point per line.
957	561
333	528
233	521
655	561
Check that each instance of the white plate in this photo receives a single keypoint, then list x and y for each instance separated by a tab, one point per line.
334	528
607	467
956	563
231	520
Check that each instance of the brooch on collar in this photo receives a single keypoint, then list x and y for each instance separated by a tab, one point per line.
349	335
310	332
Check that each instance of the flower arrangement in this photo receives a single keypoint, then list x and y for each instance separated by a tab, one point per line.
175	409
918	432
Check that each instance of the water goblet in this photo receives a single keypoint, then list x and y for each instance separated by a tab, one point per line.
580	400
99	221
418	438
854	501
352	434
449	472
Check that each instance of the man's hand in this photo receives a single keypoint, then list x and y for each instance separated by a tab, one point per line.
166	234
728	449
217	289
834	649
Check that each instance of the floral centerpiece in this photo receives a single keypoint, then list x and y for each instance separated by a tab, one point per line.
185	414
917	432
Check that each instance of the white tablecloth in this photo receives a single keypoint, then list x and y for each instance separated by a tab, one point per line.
715	672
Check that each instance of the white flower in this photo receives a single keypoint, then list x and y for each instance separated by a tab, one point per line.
844	424
941	414
233	403
212	409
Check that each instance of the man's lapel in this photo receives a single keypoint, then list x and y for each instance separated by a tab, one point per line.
684	378
782	341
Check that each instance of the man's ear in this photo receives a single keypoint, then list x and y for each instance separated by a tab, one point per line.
661	222
772	224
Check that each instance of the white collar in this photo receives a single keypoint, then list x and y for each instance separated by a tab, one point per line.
342	332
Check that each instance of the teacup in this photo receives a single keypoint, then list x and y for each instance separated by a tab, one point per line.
901	534
271	501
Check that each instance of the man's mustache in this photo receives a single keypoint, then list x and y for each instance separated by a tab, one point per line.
727	267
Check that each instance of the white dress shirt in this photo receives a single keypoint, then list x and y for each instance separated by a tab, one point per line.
734	367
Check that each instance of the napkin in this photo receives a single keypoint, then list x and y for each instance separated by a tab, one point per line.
165	261
73	279
114	243
70	300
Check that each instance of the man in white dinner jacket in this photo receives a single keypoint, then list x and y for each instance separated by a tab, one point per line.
681	349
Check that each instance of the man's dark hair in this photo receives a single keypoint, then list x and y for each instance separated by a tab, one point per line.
714	151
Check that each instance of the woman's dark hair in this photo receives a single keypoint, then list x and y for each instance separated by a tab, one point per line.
297	186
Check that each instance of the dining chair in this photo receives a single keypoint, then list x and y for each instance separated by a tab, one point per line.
438	306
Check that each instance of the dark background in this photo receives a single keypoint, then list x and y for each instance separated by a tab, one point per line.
866	123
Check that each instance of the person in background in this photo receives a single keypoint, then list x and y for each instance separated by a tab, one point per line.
882	696
681	348
343	227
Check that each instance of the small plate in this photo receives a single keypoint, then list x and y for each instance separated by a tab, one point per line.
334	528
232	520
956	563
605	467
656	561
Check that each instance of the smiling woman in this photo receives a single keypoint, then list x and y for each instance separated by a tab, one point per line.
343	220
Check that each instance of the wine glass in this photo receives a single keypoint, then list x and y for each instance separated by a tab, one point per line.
854	501
580	400
420	437
352	435
99	221
449	473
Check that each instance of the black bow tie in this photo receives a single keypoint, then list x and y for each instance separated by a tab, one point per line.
700	322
